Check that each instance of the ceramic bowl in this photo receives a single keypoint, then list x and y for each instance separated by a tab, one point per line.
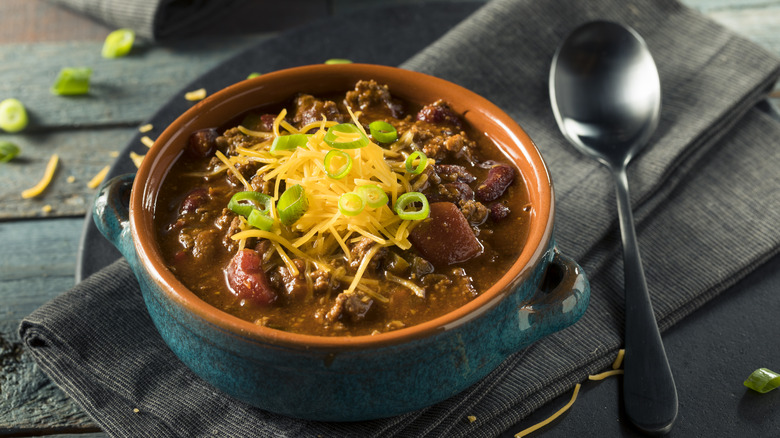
347	378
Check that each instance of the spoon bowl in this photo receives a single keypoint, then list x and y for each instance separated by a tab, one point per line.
605	91
606	97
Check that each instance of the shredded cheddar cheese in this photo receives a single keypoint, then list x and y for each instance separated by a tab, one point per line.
552	417
619	359
137	158
605	374
97	179
601	376
146	128
48	174
195	95
148	142
323	232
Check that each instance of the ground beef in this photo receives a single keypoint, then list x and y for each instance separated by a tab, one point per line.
450	192
354	306
474	211
454	173
439	283
247	170
294	288
309	109
233	138
229	222
259	184
359	250
375	99
204	244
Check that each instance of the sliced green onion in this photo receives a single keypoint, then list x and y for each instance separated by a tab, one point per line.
289	142
118	43
72	81
253	75
373	195
8	151
332	136
338	61
407	200
244	202
260	219
383	132
292	204
411	168
350	204
13	115
763	380
332	159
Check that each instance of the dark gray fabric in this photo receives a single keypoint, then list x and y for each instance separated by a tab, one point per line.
705	194
169	19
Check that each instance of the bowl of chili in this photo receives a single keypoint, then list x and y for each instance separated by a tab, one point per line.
375	341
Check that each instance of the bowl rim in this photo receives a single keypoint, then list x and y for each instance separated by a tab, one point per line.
143	198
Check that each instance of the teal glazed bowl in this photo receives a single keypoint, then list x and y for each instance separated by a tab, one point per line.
361	377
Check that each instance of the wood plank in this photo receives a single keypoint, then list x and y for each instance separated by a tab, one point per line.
39	259
83	153
124	91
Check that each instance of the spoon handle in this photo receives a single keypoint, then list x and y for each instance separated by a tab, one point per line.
649	393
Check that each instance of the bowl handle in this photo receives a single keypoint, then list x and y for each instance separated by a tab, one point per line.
111	213
561	299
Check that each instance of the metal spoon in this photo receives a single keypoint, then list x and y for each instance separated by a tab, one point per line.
606	97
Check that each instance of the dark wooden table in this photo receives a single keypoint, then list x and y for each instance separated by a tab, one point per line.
40	236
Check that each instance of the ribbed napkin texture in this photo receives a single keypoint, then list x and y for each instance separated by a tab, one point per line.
705	198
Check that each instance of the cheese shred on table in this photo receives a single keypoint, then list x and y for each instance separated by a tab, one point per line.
322	233
97	179
613	372
619	359
48	174
552	417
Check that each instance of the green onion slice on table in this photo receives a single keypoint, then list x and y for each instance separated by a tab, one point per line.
13	115
118	43
763	380
8	151
255	207
351	204
345	136
72	81
411	168
383	132
407	201
289	142
372	194
292	204
338	61
337	164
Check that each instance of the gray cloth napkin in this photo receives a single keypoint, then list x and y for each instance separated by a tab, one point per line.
169	19
705	197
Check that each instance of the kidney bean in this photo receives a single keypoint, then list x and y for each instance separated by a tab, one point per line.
439	113
202	143
246	278
193	200
498	211
499	177
267	122
445	237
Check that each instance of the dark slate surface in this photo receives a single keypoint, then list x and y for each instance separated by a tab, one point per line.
711	352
